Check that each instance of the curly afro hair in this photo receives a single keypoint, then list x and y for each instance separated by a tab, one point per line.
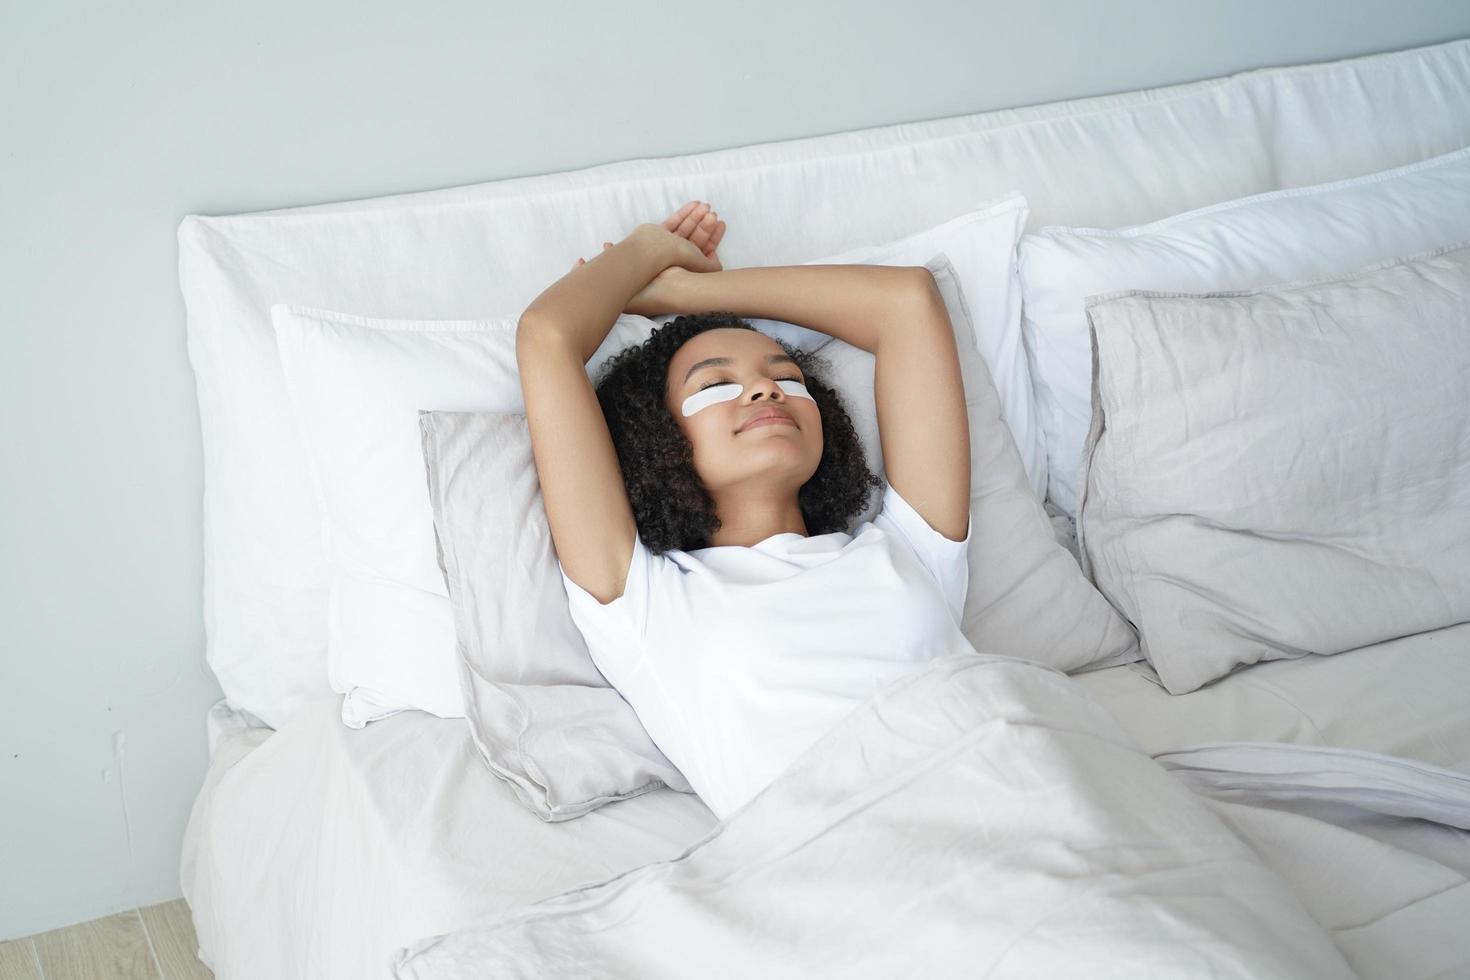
671	507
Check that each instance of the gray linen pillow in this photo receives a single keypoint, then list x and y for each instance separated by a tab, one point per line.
1027	597
1282	471
541	714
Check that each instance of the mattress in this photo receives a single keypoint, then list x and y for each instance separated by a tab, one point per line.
316	850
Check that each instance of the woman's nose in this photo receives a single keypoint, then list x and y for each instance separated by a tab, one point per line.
767	388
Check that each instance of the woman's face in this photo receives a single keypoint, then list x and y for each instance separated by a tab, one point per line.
733	442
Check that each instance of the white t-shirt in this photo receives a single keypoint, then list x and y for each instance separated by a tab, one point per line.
737	659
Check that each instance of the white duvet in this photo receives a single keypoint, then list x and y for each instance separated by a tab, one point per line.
985	816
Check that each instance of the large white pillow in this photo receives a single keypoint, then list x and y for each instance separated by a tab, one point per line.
356	385
1283	472
1324	230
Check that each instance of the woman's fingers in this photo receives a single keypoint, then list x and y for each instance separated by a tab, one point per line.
699	223
696	221
714	238
692	220
705	230
672	221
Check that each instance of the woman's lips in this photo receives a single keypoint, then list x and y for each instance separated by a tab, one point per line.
769	420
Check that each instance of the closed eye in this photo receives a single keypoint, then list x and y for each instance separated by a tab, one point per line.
713	383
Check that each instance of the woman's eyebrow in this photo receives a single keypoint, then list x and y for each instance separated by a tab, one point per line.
719	361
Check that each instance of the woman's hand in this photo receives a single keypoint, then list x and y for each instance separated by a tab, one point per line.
691	235
698	224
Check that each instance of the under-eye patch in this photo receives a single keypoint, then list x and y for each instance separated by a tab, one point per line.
730	390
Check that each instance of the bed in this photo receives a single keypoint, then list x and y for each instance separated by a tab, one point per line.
320	850
398	831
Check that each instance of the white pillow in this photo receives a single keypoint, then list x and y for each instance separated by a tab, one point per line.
1027	596
1324	230
356	385
1283	472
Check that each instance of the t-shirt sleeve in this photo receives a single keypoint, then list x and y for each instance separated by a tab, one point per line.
948	561
615	631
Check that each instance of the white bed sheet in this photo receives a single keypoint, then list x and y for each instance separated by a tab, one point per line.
398	831
393	832
1404	697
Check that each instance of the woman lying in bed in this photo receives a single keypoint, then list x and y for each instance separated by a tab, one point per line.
699	497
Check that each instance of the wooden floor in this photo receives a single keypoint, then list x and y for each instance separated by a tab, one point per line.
155	943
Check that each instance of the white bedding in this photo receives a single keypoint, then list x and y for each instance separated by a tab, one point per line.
287	893
392	833
1404	697
986	817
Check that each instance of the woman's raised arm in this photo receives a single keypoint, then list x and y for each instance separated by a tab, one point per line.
584	304
587	509
850	302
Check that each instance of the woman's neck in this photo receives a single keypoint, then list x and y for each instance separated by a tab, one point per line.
750	517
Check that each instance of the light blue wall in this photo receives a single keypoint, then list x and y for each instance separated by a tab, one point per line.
118	119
